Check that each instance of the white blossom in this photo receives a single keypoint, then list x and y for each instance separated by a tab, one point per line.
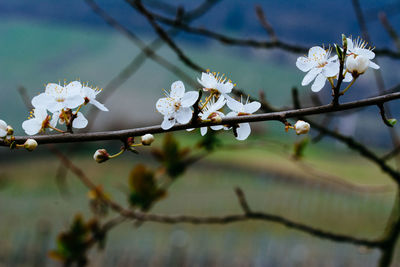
38	121
3	128
212	81
301	127
57	97
357	65
359	47
89	96
210	111
319	66
240	109
176	107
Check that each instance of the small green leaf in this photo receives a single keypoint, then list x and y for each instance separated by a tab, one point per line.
392	121
339	52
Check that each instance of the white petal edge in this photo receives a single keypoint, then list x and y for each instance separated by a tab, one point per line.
318	83
243	131
203	131
183	115
310	76
189	98
80	121
252	107
177	89
167	123
32	126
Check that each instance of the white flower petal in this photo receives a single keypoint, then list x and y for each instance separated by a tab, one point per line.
243	131
177	89
98	104
80	121
207	80
316	52
331	69
183	115
189	98
40	113
54	119
168	122
203	131
32	126
373	65
3	133
53	89
3	125
73	88
219	104
165	106
365	52
350	45
224	88
232	114
74	101
304	64
252	107
88	92
216	127
310	76
235	105
348	77
318	83
42	101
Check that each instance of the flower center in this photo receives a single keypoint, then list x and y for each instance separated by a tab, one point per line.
60	99
177	105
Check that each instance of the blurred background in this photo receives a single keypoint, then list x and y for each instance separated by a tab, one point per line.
329	187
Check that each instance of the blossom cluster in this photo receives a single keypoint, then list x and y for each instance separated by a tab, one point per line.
177	105
320	66
63	102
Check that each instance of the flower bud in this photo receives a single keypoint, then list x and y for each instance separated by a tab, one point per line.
101	155
301	127
30	144
147	139
9	130
215	117
357	65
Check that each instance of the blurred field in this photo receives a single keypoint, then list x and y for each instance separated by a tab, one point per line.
33	211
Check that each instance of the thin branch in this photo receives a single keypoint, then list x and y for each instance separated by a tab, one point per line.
164	35
389	28
265	24
247	216
383	115
272	116
139	43
228	40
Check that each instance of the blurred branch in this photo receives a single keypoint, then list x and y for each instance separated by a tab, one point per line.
390	30
139	43
265	24
248	214
164	35
228	40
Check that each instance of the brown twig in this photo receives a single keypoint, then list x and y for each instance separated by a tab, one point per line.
228	40
265	24
276	116
248	215
164	35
